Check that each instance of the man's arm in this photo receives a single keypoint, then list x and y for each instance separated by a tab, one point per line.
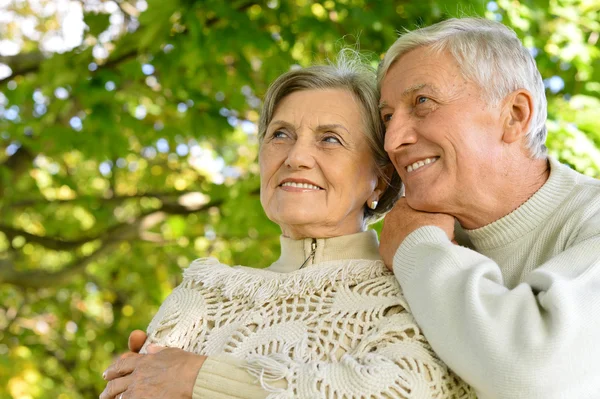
538	340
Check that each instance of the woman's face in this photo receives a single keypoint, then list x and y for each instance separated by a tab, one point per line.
317	171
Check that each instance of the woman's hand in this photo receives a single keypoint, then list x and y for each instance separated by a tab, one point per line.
137	338
162	373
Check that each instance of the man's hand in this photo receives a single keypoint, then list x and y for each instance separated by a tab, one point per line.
162	373
403	220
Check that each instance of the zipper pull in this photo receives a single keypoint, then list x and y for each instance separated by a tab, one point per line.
313	247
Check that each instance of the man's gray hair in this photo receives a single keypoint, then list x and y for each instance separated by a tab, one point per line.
350	73
488	54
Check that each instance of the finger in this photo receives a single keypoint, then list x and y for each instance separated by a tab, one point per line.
152	349
136	340
121	356
116	387
125	365
126	355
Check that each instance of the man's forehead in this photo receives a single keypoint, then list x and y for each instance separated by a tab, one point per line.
408	91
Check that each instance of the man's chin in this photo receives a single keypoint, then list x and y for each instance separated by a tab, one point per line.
423	205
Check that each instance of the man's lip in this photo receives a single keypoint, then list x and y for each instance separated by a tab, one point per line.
301	181
406	162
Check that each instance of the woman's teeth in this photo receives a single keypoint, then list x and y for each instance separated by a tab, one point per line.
300	185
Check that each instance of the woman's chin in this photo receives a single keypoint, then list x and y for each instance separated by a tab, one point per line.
301	223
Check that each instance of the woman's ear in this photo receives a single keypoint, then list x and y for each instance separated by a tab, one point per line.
518	114
384	180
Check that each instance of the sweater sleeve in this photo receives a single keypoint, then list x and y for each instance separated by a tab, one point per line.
224	377
537	340
221	376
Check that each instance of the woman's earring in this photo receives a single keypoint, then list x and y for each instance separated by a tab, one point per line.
373	204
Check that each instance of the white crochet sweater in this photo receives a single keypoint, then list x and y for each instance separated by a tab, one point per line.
337	328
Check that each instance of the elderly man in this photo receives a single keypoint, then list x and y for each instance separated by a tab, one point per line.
465	110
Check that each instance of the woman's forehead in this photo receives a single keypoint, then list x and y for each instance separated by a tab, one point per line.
319	106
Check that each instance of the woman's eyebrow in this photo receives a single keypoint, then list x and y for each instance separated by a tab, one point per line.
282	123
332	126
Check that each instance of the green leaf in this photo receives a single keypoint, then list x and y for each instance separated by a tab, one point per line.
96	22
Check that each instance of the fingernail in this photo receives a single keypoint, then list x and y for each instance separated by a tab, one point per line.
104	375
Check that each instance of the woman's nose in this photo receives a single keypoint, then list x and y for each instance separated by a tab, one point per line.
301	155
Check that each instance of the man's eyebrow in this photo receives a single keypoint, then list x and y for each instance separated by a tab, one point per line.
410	90
420	86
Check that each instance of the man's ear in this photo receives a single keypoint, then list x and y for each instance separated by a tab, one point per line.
518	107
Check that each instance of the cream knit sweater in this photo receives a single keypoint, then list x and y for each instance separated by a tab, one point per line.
337	328
521	318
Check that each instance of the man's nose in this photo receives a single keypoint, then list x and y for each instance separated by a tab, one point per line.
398	133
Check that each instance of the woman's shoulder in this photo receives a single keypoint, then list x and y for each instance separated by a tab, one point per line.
263	285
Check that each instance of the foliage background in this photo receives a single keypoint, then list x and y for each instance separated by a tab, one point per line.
131	149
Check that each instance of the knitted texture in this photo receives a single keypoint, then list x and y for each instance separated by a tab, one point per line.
518	318
339	329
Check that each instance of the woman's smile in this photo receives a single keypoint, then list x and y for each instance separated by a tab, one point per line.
299	185
317	169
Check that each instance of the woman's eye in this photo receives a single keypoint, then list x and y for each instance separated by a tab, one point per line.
386	118
331	139
422	99
279	134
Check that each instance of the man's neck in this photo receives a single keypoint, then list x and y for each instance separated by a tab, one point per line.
513	190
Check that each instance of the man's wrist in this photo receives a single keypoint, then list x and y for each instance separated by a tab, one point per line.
406	259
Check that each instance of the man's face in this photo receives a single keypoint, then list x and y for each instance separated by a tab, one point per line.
441	134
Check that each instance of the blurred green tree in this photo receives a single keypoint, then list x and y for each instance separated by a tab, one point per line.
128	148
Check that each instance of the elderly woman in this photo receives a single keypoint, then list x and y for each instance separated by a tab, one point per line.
327	319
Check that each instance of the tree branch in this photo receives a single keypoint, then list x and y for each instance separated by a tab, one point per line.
112	238
61	244
103	200
23	64
57	244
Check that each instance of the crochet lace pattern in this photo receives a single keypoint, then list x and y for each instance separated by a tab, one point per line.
335	330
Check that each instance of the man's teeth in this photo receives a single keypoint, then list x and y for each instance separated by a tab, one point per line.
418	164
300	185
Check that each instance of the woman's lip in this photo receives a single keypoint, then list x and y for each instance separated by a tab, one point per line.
299	189
299	181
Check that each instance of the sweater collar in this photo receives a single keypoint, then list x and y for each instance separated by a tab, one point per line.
294	253
531	213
